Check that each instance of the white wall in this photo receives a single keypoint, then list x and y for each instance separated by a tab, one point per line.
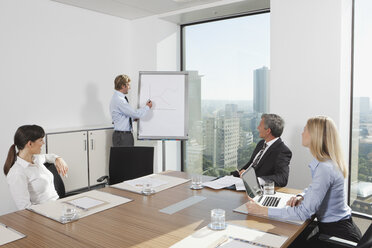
57	67
310	71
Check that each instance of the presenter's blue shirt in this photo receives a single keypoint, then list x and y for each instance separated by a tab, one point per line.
121	112
325	196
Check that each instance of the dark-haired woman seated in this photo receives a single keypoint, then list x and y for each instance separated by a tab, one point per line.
30	182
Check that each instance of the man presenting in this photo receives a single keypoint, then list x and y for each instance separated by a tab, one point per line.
271	157
123	114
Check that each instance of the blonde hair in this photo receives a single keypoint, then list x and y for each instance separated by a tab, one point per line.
120	81
325	141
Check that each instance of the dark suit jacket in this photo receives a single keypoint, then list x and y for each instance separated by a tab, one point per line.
274	164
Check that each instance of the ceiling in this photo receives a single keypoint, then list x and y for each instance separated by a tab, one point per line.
177	11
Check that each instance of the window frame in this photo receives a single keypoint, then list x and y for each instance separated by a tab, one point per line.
354	213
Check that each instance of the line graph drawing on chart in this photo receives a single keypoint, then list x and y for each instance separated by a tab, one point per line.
162	99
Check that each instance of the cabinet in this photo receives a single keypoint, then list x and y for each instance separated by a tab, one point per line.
87	153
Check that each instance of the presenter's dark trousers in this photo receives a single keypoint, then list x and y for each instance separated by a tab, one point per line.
122	138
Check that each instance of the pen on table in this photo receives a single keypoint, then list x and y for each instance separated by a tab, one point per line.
219	241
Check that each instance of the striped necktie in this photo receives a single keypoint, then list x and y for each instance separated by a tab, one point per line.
130	119
257	159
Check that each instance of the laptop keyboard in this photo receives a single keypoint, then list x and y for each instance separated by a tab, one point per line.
271	201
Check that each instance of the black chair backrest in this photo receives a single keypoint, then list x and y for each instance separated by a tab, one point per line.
366	240
130	162
58	183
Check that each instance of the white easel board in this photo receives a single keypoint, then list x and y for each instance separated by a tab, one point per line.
168	116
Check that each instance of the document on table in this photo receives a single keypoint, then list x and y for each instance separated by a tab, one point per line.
233	236
159	183
8	234
223	182
240	185
86	202
139	182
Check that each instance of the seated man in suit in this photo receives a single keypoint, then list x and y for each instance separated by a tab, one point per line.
271	157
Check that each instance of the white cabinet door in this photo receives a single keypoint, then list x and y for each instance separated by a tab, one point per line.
100	142
72	147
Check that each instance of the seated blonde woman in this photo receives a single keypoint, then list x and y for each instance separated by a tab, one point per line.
325	197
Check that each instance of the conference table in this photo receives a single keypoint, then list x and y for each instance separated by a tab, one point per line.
139	222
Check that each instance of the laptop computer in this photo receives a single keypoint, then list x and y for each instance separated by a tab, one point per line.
254	191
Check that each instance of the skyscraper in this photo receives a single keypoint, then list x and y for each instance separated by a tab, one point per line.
227	137
261	79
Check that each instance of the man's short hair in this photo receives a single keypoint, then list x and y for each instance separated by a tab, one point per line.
274	122
120	81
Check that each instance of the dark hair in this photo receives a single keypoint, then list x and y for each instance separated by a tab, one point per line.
275	123
23	135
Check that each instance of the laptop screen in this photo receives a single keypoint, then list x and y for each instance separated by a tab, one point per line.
252	187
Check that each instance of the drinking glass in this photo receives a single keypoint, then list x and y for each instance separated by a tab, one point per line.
269	187
217	219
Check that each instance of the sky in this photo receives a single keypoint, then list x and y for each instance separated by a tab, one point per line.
226	52
363	49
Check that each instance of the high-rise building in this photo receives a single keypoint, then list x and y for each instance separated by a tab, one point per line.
261	79
195	146
227	137
209	129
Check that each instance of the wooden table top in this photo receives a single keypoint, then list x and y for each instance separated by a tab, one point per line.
139	223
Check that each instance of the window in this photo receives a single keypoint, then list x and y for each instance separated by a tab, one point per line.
361	132
228	63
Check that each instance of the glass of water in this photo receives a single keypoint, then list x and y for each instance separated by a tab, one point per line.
196	181
217	219
69	213
147	189
269	187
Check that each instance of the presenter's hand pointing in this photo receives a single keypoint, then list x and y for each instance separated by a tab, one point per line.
149	103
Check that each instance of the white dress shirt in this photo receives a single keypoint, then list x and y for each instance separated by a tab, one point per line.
260	180
32	183
121	112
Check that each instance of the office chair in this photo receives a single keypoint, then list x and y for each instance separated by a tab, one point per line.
128	163
364	242
58	183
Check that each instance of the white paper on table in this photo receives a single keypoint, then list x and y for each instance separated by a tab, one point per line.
86	202
240	185
139	182
8	234
232	243
222	182
239	236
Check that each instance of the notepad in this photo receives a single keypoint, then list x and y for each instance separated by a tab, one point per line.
238	236
86	202
8	234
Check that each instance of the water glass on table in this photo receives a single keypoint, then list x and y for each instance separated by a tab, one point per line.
196	181
69	213
269	187
217	219
147	189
